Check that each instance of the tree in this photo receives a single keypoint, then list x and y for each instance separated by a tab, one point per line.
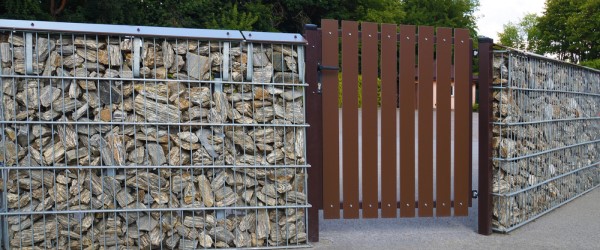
233	19
23	9
260	15
570	29
511	36
443	13
381	11
523	35
585	31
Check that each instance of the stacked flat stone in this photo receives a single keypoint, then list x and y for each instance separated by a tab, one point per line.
546	126
204	158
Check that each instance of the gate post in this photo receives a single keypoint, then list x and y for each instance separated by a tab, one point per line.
485	136
314	137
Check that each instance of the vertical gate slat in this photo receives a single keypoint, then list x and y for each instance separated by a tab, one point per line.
407	120
471	100
369	69
350	117
389	99
443	122
425	111
462	132
331	178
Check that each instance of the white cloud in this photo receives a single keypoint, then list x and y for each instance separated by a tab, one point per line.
493	14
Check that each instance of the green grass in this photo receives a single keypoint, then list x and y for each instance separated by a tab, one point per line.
340	91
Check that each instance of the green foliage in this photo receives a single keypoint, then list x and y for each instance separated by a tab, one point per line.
511	37
442	13
233	19
261	15
340	91
23	9
529	27
591	63
569	29
523	35
381	11
475	107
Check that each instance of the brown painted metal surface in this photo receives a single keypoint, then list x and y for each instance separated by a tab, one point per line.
389	95
485	132
369	69
331	179
314	133
350	117
461	126
443	122
425	110
470	120
398	74
407	120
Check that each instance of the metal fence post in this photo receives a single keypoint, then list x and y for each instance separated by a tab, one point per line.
485	136
315	131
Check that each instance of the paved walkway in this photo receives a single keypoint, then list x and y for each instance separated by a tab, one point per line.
575	225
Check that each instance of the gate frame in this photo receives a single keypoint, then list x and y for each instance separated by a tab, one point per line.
313	35
485	136
314	133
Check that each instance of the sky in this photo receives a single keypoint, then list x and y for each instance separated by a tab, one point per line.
493	14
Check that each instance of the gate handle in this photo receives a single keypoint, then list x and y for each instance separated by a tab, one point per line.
321	67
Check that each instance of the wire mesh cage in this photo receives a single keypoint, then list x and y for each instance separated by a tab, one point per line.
546	135
129	141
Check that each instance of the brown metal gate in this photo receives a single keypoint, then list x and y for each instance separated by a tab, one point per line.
398	67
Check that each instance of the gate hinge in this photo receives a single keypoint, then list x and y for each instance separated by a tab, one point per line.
474	194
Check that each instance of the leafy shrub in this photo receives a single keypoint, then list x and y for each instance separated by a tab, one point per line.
591	63
475	107
340	88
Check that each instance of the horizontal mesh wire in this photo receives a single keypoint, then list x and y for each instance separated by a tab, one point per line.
122	142
546	136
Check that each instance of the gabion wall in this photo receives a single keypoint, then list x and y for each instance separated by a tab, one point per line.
203	147
546	136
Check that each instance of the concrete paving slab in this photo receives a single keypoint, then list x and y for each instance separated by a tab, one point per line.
575	225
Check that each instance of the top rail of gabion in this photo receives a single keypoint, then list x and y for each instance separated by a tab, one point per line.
538	56
148	31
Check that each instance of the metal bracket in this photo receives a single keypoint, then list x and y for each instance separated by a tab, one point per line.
250	62
226	47
474	194
301	63
137	46
29	53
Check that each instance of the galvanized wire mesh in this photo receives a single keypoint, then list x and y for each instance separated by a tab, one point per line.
123	142
546	135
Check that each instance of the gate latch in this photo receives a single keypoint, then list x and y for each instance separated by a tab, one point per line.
320	69
474	194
